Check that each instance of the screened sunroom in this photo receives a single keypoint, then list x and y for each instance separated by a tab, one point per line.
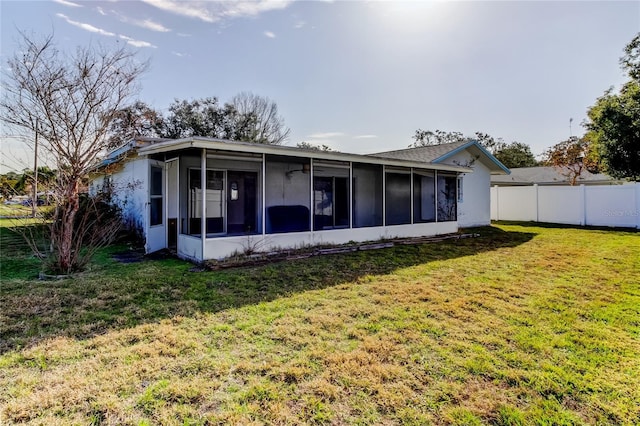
210	198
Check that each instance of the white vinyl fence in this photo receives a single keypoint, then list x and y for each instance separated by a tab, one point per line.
597	205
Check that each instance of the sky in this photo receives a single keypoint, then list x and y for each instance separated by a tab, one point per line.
359	76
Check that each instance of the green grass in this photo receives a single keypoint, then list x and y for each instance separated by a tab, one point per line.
525	325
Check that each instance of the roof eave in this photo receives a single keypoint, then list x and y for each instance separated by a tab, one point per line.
499	169
222	145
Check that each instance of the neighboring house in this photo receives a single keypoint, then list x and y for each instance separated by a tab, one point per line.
549	175
209	198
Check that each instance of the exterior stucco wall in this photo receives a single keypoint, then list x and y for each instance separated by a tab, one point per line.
475	207
129	185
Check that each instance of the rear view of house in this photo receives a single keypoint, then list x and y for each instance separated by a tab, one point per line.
208	198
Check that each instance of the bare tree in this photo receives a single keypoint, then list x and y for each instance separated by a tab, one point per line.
70	100
258	119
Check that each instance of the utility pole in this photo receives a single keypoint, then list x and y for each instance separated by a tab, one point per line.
34	199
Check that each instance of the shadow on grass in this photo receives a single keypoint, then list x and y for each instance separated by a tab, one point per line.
114	296
548	225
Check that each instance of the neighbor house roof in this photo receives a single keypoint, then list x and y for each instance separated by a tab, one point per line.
168	145
438	154
549	175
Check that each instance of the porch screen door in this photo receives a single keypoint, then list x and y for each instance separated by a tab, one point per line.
156	217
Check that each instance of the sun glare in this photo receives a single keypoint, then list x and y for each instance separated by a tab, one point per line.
411	15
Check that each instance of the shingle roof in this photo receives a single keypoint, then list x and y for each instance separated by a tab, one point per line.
547	175
423	153
440	153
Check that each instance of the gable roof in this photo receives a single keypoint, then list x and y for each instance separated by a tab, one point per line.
169	145
440	153
548	175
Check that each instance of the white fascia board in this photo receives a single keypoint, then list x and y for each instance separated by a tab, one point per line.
248	147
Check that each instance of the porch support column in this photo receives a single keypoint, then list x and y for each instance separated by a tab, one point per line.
384	195
411	190
203	206
264	194
435	191
350	194
312	208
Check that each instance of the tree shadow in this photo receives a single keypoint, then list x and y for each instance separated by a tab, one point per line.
115	296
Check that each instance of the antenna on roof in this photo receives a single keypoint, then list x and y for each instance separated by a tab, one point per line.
570	132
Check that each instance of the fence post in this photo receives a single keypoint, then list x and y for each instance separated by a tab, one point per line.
637	212
535	186
583	204
497	188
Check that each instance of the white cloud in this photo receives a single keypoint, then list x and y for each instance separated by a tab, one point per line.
84	26
136	43
151	25
183	35
147	24
365	137
101	11
213	11
269	34
67	3
299	25
325	135
179	54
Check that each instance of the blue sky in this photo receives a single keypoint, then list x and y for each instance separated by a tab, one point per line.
363	76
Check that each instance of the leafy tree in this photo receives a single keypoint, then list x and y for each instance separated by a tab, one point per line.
248	118
70	101
437	137
614	121
630	61
136	120
8	183
310	146
516	154
46	179
200	117
569	156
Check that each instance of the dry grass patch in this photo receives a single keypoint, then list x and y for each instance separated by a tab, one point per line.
525	325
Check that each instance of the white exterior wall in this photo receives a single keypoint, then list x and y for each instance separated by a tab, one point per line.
474	210
130	191
597	205
218	248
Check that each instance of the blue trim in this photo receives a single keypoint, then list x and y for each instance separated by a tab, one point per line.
482	149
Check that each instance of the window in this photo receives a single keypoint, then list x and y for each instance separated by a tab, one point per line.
155	196
459	189
331	202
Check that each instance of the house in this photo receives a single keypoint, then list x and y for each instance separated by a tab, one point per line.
474	204
209	198
549	175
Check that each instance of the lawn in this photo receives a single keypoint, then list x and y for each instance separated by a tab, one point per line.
522	325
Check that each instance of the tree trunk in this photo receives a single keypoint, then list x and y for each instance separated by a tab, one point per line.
62	235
